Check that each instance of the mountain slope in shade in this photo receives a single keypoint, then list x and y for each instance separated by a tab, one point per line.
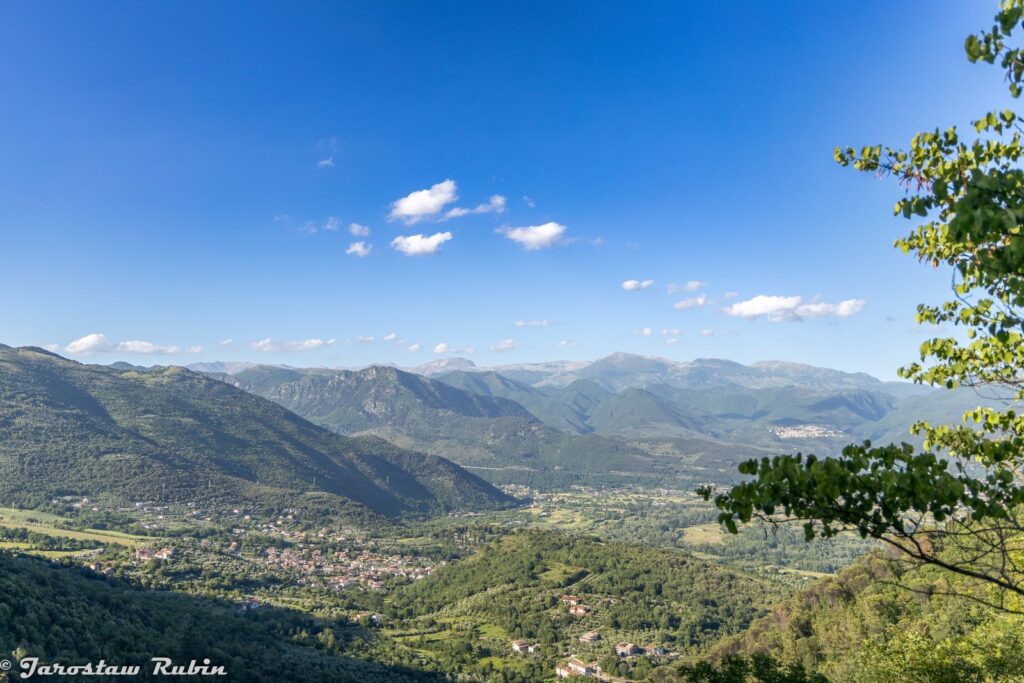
171	434
565	409
495	434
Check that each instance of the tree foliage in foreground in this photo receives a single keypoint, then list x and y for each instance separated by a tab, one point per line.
957	504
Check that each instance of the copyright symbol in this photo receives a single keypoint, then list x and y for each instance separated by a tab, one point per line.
5	665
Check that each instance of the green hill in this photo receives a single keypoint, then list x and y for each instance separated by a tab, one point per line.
495	435
635	592
71	616
168	434
872	624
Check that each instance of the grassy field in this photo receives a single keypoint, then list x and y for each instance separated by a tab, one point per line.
51	525
700	534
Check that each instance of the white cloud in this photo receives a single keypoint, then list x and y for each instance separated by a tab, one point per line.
414	347
226	342
692	302
358	230
332	224
730	295
792	308
496	204
326	163
671	341
691	286
421	204
52	347
707	333
359	249
532	323
674	332
390	337
528	201
445	347
505	345
533	237
846	308
364	340
566	344
98	343
645	331
636	285
420	245
269	346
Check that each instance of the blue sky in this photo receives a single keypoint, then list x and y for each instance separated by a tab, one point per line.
176	176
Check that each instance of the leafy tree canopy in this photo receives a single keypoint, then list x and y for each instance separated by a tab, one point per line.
957	503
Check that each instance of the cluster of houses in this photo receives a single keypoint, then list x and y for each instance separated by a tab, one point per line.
576	606
576	667
344	569
149	554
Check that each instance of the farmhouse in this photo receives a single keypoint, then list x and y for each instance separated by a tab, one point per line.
524	646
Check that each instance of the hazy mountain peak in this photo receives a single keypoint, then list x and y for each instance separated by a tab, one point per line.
443	365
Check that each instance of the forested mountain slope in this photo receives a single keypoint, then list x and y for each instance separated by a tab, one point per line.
169	434
492	433
72	616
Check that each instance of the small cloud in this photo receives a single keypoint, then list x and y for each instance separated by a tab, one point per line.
496	204
332	224
326	163
421	204
674	332
691	286
528	201
358	230
692	302
671	341
269	346
532	323
364	340
441	348
98	343
730	295
414	347
505	345
52	347
566	344
390	337
420	245
226	342
309	228
359	249
707	333
636	285
792	308
534	237
645	332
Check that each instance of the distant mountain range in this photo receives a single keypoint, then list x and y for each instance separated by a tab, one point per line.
169	434
495	436
623	417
